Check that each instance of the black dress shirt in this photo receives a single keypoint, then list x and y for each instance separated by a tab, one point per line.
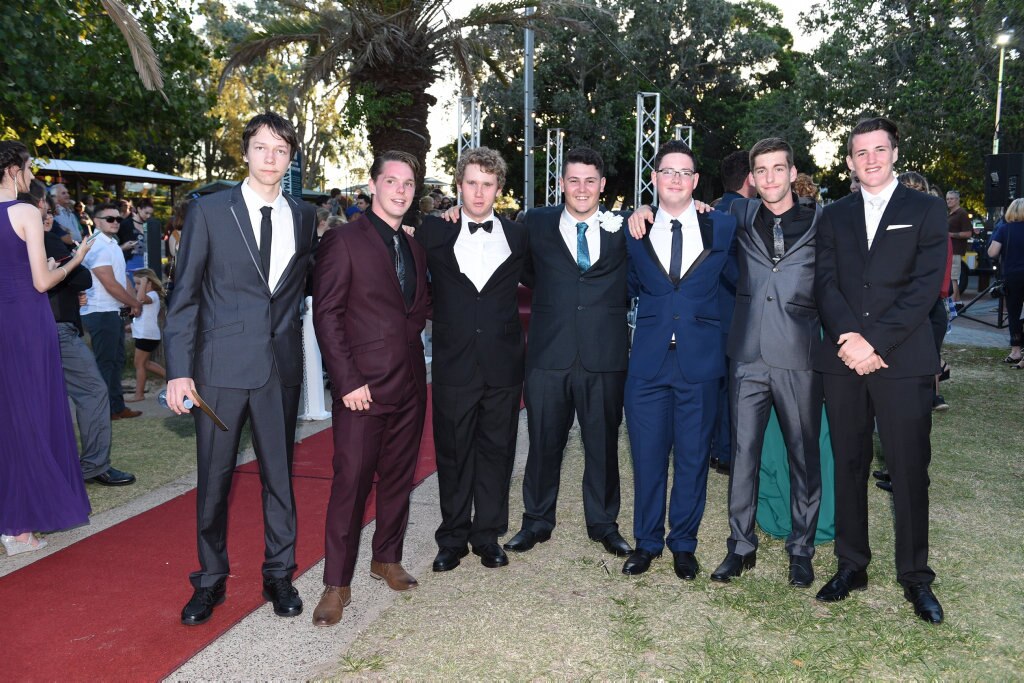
64	295
795	222
387	233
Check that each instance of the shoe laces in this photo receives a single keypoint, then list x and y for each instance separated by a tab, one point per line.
282	587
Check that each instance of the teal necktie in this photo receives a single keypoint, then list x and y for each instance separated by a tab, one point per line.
582	250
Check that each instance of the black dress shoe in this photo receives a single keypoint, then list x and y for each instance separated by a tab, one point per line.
526	539
638	562
199	609
719	466
733	565
448	558
114	477
884	485
926	605
839	586
616	544
491	555
801	572
282	593
686	565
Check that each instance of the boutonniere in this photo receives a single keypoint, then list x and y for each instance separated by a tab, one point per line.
609	221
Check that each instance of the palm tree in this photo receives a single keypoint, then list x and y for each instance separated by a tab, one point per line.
388	53
144	57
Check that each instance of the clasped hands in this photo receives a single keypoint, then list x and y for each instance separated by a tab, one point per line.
858	354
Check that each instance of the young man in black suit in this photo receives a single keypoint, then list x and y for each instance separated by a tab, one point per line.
881	255
477	369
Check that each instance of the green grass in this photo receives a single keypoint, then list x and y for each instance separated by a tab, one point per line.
564	610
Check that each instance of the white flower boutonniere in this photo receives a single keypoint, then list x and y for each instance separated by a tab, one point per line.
609	221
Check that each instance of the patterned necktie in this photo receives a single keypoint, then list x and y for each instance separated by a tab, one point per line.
487	226
780	244
266	236
675	264
582	250
876	206
399	263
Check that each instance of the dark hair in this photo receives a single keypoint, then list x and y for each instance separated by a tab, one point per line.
108	206
769	145
13	153
144	203
584	155
735	168
37	188
393	155
335	192
365	197
674	147
277	124
870	126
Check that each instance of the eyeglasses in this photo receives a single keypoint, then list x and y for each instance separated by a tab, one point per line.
685	174
109	219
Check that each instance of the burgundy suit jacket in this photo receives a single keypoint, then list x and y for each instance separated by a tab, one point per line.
366	333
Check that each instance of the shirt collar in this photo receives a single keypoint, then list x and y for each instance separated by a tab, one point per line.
491	217
591	220
885	195
688	217
256	202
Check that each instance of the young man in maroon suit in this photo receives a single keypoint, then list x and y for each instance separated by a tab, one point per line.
370	304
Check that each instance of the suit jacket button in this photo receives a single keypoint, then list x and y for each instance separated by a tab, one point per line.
775	270
479	331
771	298
866	314
273	334
867	285
579	308
675	317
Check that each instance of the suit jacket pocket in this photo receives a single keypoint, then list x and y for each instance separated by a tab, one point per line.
743	298
367	347
801	309
708	321
223	330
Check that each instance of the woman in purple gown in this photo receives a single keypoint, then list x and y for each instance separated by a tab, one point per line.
41	486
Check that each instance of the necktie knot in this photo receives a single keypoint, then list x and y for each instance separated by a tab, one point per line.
486	226
267	211
581	228
676	226
876	203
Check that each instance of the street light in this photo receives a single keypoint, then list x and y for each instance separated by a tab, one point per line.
1002	40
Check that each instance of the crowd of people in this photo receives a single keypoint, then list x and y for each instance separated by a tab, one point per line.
832	318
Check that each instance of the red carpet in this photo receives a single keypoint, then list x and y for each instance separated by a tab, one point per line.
108	607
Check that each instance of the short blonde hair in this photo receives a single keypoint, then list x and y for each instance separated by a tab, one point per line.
1015	213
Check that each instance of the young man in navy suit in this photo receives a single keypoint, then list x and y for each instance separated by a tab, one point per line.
881	255
677	361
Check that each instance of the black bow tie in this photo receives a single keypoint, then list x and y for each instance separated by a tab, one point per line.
486	225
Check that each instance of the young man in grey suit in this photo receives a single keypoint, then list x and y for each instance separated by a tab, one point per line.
233	334
775	327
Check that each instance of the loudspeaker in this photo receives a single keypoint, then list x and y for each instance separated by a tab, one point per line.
1003	175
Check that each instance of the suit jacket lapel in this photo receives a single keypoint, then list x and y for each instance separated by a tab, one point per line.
649	248
241	215
514	234
753	206
296	231
857	224
707	237
884	220
378	247
811	231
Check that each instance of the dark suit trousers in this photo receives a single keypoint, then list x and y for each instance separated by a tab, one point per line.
272	410
553	399
796	395
382	441
902	408
475	429
663	415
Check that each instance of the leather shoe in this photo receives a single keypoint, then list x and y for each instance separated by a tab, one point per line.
125	414
686	565
719	466
926	605
880	475
393	574
448	558
615	544
839	586
199	608
884	485
332	605
638	562
491	555
801	571
113	477
282	593
733	565
526	539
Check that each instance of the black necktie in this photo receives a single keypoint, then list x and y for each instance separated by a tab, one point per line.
780	244
399	263
675	266
266	237
486	225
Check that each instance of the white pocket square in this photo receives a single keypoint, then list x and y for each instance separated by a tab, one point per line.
898	227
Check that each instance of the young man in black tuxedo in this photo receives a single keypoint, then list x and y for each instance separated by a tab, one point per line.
477	369
881	255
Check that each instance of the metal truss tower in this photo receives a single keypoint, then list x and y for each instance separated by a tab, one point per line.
648	126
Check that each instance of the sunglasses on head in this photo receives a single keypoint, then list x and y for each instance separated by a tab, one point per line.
109	219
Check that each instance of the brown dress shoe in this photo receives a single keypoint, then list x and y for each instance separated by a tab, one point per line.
332	604
125	414
397	578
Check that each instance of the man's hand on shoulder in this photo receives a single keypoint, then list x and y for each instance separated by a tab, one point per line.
639	220
452	214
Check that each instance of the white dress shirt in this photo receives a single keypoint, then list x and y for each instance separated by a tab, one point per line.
147	325
874	207
479	254
661	237
105	251
567	226
282	246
